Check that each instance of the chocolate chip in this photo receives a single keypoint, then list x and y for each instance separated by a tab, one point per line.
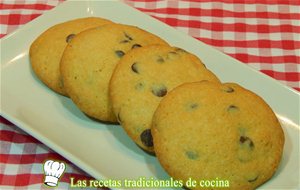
232	108
146	138
191	106
127	36
160	59
172	52
228	89
119	53
135	46
70	37
134	67
246	141
159	90
243	139
192	155
245	151
253	179
124	41
194	106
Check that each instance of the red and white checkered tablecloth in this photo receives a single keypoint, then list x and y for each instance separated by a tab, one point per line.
262	34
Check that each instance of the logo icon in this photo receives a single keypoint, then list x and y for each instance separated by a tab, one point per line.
53	171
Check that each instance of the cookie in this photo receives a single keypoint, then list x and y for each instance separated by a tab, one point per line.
46	51
142	78
209	131
89	60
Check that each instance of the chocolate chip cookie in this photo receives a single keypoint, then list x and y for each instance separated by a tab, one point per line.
142	78
89	60
205	130
46	51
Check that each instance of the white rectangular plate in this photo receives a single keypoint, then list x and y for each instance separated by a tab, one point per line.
104	151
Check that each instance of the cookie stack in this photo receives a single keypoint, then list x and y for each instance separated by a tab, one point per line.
164	97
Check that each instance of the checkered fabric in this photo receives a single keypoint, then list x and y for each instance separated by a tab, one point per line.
262	34
22	158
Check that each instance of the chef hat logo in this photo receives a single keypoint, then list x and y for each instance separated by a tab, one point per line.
53	171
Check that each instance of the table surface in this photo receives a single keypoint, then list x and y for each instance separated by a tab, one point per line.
263	35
